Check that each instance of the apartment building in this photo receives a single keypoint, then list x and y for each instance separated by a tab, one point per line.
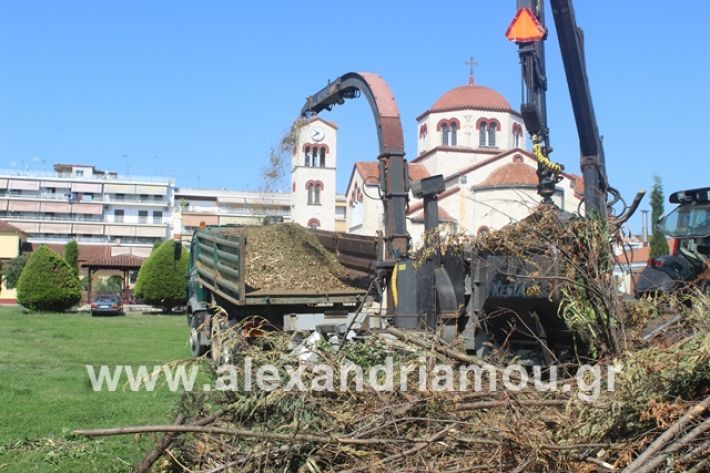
198	206
92	206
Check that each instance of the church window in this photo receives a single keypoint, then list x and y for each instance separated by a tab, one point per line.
453	134
322	157
310	194
308	156
313	223
516	137
316	194
482	134
316	161
491	134
445	134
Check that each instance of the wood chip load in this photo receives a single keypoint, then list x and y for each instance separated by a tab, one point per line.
288	257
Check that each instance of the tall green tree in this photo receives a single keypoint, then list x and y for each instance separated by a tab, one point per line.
162	281
71	255
658	243
48	283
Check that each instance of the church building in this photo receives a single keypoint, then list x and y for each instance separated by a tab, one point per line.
471	135
477	141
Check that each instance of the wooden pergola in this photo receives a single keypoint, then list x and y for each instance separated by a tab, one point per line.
124	263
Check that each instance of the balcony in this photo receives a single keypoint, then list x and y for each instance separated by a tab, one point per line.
100	199
246	211
94	177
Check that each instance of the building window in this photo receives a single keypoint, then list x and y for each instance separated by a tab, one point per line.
308	156
316	161
118	215
445	135
80	172
491	134
157	217
313	224
483	231
142	216
453	134
322	157
483	127
516	139
120	196
316	195
314	189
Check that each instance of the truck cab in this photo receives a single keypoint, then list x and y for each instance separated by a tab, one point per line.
689	225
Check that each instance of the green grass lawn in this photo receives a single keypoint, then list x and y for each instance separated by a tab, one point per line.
45	390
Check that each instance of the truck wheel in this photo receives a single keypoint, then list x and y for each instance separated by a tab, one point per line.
199	333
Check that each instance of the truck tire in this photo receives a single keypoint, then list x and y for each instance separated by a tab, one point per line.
199	333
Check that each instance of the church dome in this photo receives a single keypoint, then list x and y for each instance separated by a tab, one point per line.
471	96
516	173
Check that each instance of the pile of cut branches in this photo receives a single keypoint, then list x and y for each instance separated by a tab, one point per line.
288	257
654	417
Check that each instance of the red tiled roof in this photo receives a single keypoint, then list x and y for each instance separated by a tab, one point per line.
471	96
370	171
578	184
86	252
639	254
6	227
115	262
512	174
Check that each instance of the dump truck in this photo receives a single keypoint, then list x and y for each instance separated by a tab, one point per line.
272	276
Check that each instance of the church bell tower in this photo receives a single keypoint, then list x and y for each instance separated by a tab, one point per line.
313	165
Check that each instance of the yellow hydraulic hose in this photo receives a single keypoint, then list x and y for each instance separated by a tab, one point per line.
542	159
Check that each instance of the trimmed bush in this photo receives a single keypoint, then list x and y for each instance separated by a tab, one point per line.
162	281
47	283
71	255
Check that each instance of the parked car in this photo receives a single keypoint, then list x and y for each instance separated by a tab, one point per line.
107	305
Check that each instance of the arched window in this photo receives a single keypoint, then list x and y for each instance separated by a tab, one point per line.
316	194
516	138
316	161
322	157
308	156
482	134
313	223
310	188
453	134
491	134
445	134
483	231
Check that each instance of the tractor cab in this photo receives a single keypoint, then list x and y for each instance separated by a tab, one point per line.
689	225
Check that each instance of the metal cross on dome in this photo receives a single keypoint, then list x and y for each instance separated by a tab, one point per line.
471	63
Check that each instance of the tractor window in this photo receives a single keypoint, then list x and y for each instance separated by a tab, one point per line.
692	220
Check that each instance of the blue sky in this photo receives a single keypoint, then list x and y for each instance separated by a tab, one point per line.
201	90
